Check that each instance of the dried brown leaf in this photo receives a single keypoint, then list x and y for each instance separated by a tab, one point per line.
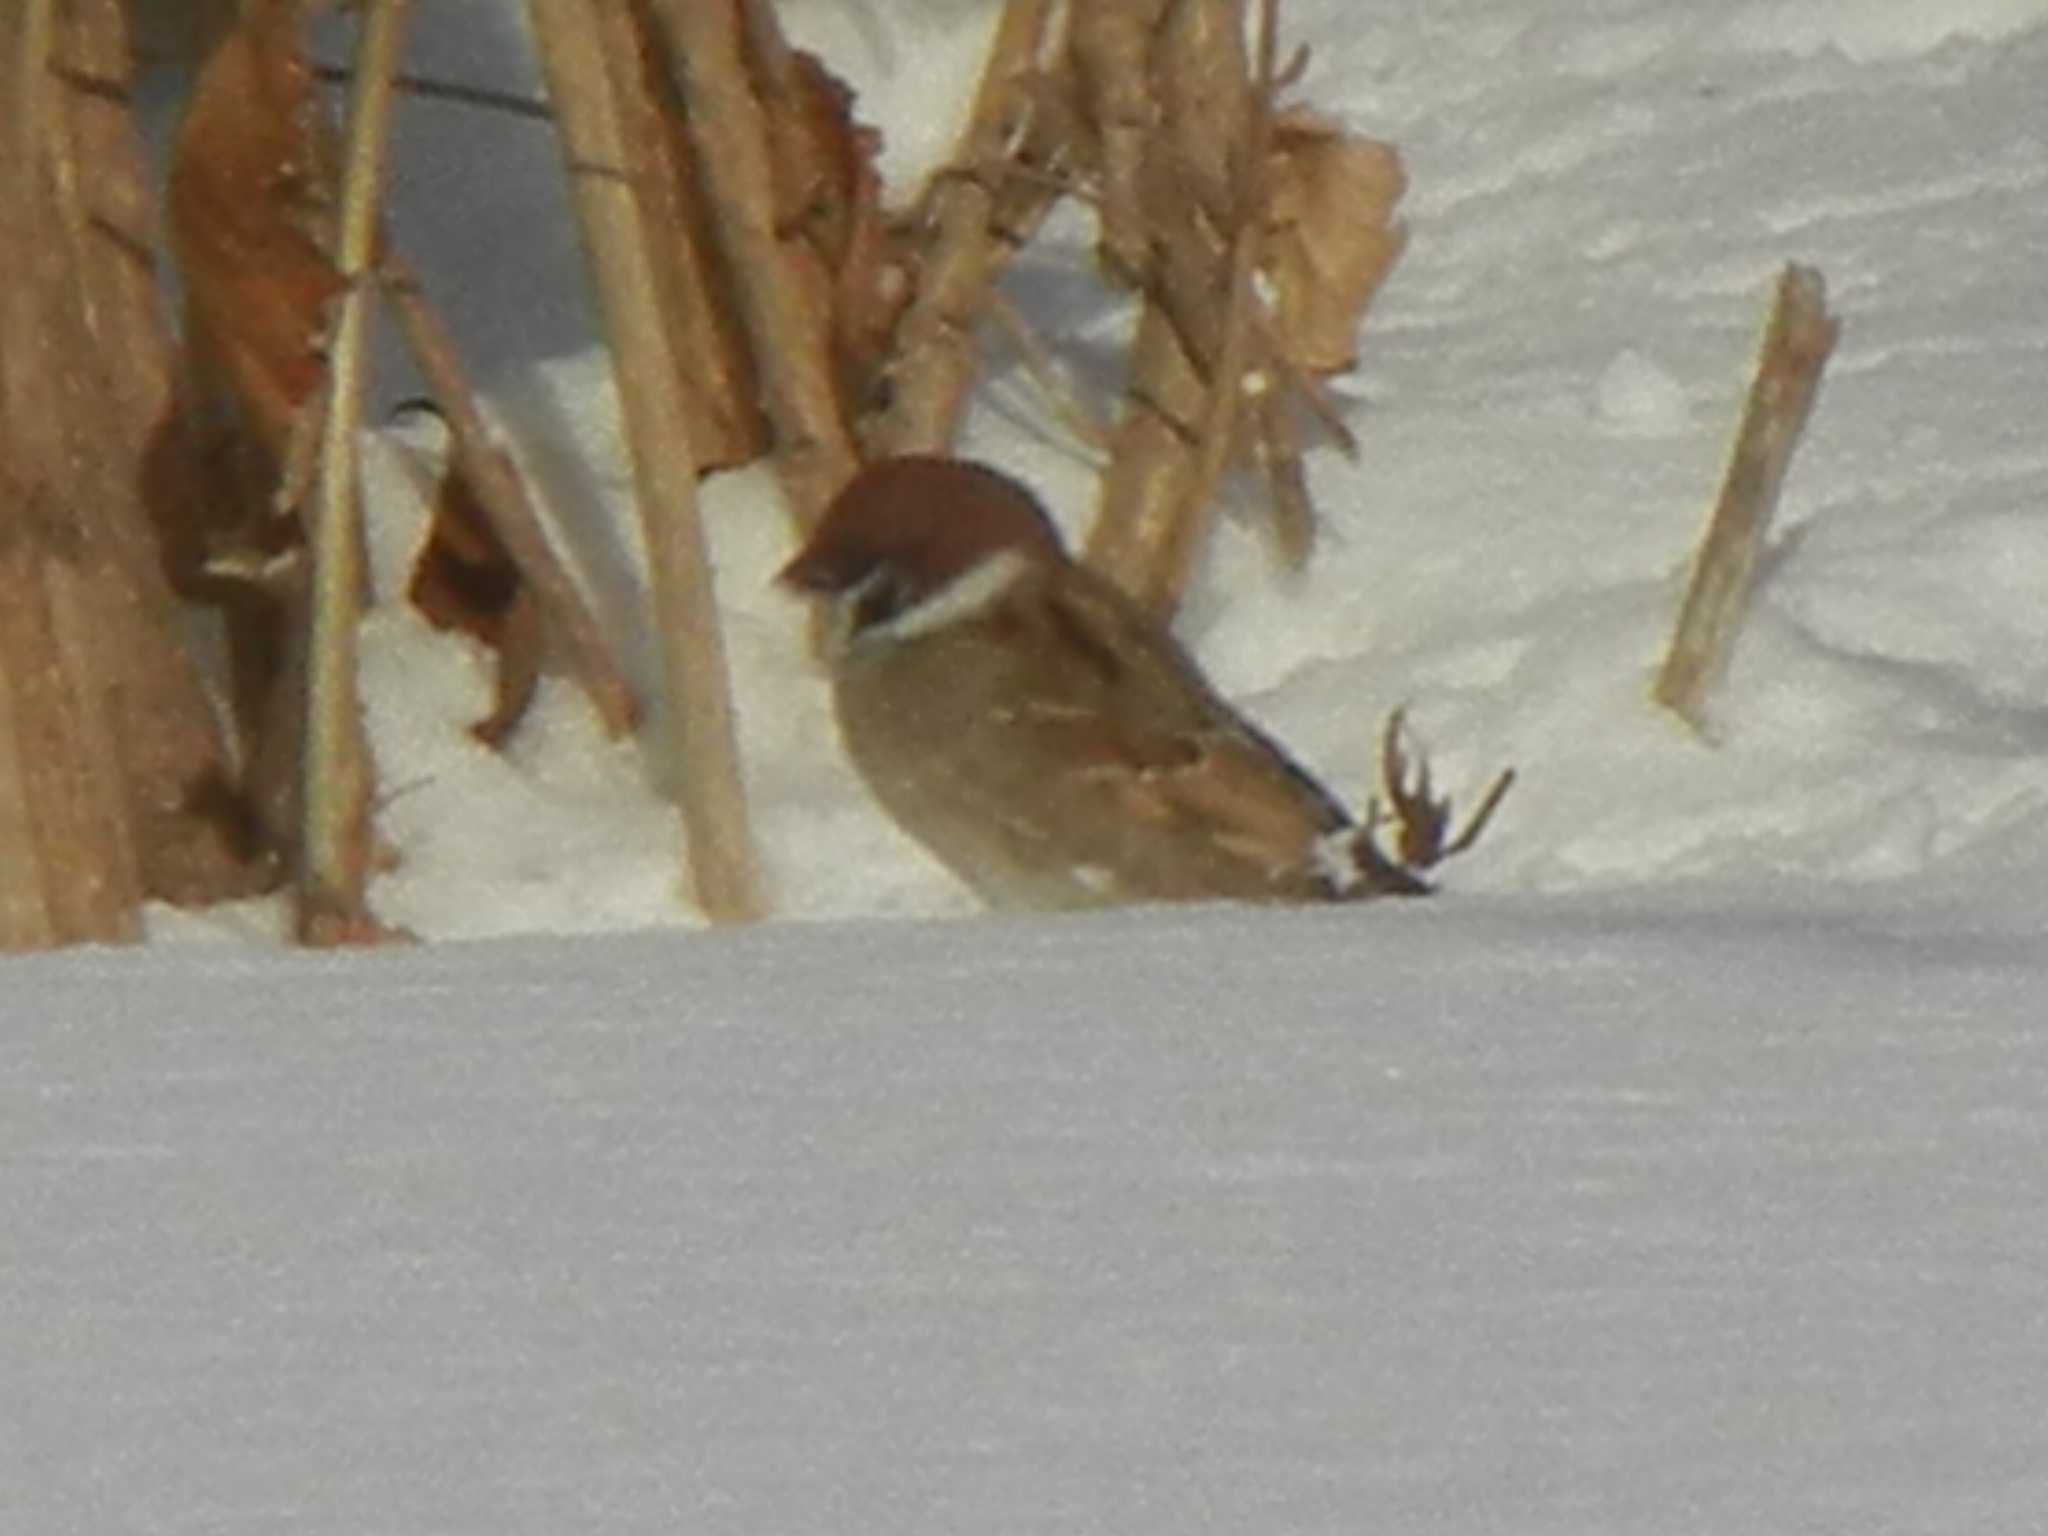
1331	238
249	205
828	194
464	579
250	210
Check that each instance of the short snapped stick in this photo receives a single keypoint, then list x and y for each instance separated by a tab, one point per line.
1796	343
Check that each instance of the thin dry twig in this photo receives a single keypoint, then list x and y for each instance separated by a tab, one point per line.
1796	343
505	497
335	787
701	771
720	389
1044	373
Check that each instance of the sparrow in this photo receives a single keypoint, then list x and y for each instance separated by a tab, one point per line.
1028	723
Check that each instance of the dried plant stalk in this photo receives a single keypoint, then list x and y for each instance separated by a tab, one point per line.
971	237
73	875
1796	343
504	495
1238	195
1212	137
27	72
1140	537
1279	455
784	296
24	917
719	386
110	217
1199	214
335	853
1108	46
68	869
703	770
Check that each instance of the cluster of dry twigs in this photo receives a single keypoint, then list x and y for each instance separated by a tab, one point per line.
761	297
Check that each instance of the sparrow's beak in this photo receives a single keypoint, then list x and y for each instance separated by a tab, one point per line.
810	573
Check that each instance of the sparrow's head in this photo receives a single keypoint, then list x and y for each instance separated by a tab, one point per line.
915	542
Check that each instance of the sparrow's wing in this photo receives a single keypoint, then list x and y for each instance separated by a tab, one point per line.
1147	730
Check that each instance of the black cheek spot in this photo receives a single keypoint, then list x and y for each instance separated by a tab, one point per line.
1082	641
881	598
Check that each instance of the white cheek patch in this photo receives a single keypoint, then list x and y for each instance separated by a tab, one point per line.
969	593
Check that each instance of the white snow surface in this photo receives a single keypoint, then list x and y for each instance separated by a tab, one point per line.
1509	1215
1678	1171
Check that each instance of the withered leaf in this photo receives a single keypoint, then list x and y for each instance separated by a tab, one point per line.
249	204
249	209
1332	237
465	580
829	194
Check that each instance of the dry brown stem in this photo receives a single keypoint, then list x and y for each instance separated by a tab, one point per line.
1238	194
335	792
719	386
785	296
27	73
970	233
702	767
1140	538
1192	345
1279	456
1796	342
1211	105
1109	47
68	866
489	471
110	218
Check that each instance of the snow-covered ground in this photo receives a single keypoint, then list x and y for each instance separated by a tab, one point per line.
1511	1217
1679	1172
